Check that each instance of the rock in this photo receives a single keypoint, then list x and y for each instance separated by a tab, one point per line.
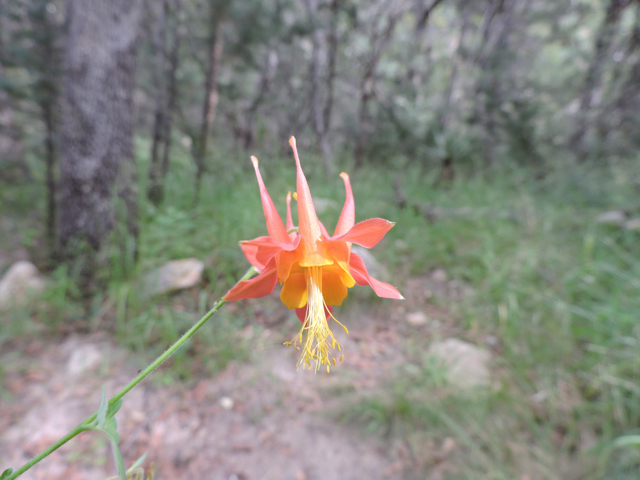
439	276
375	268
20	281
632	224
83	359
226	403
172	276
613	217
466	366
416	319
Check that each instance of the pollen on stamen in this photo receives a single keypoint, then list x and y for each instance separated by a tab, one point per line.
319	338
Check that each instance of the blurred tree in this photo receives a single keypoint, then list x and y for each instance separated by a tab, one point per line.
96	149
166	66
591	91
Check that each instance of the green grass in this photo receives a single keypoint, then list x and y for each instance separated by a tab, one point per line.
558	290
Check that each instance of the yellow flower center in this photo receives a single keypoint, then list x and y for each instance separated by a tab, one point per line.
319	338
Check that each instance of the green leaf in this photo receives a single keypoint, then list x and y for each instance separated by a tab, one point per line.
113	409
117	459
112	434
102	409
9	471
139	461
627	441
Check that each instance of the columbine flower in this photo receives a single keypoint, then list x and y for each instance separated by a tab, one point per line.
314	269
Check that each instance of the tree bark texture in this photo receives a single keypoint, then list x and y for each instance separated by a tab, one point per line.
160	114
379	42
316	92
593	79
96	148
211	96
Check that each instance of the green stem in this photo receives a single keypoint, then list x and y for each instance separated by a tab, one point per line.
86	424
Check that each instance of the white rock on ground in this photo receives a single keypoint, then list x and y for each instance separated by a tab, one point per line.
85	358
614	217
20	281
416	319
466	366
172	276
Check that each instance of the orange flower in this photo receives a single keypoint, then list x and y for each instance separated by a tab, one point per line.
314	269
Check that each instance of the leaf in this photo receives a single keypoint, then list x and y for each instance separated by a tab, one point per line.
139	461
117	459
102	409
627	441
9	471
113	409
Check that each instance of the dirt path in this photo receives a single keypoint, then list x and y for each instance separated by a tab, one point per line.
258	420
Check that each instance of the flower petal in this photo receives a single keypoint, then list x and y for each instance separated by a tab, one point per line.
275	227
348	216
307	219
257	287
359	272
261	250
367	233
302	312
294	291
334	290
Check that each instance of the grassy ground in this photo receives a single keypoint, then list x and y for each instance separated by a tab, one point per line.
555	297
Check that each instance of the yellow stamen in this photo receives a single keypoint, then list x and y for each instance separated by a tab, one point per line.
319	337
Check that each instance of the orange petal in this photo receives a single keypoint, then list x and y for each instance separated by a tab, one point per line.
275	227
333	290
307	219
348	216
294	291
367	233
285	262
361	276
257	287
261	250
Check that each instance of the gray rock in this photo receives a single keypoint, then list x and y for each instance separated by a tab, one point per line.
466	366
375	268
632	224
172	276
416	319
19	282
613	217
439	276
83	359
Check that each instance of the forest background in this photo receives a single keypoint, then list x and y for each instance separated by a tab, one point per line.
501	135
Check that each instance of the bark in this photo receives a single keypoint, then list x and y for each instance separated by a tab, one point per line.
332	55
445	114
593	79
246	132
172	92
379	42
316	102
211	97
96	148
159	119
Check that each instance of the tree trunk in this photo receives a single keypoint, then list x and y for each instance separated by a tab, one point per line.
210	98
445	114
378	44
332	56
592	83
159	119
96	148
316	105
